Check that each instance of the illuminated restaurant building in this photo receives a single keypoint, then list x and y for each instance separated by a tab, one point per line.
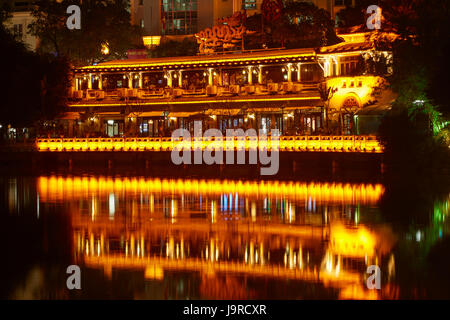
262	89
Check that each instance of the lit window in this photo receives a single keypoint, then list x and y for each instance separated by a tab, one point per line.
249	4
142	23
18	31
180	16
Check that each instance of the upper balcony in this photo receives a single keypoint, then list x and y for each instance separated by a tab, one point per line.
289	75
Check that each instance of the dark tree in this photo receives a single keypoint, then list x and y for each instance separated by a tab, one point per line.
301	25
32	87
414	131
355	15
103	23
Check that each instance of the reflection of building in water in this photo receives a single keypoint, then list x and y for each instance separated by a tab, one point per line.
57	188
223	229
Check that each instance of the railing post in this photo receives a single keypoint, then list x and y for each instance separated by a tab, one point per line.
289	72
130	80
180	79
90	81
260	75
100	84
299	74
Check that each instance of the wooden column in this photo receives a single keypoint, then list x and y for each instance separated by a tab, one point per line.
169	79
180	79
100	84
289	72
130	80
260	73
77	85
250	75
210	77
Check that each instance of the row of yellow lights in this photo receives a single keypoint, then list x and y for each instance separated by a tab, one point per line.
200	100
55	188
224	60
285	143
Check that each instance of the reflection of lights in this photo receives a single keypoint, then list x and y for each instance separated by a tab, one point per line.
112	206
253	212
291	212
357	242
213	211
93	208
37	205
61	189
152	203
173	209
418	236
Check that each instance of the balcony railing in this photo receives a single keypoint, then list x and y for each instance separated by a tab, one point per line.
358	144
274	88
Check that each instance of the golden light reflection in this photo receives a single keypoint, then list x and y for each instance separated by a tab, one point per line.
58	189
157	237
258	257
358	242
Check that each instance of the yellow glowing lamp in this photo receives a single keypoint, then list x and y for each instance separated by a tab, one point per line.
105	48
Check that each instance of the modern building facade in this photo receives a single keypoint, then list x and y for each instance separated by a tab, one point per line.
18	23
186	17
179	17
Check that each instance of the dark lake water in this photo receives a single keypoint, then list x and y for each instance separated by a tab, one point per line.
147	237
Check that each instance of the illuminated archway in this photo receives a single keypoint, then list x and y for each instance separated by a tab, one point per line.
351	103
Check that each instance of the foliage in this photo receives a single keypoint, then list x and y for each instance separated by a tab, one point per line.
354	15
301	25
172	48
414	132
106	21
5	12
33	87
